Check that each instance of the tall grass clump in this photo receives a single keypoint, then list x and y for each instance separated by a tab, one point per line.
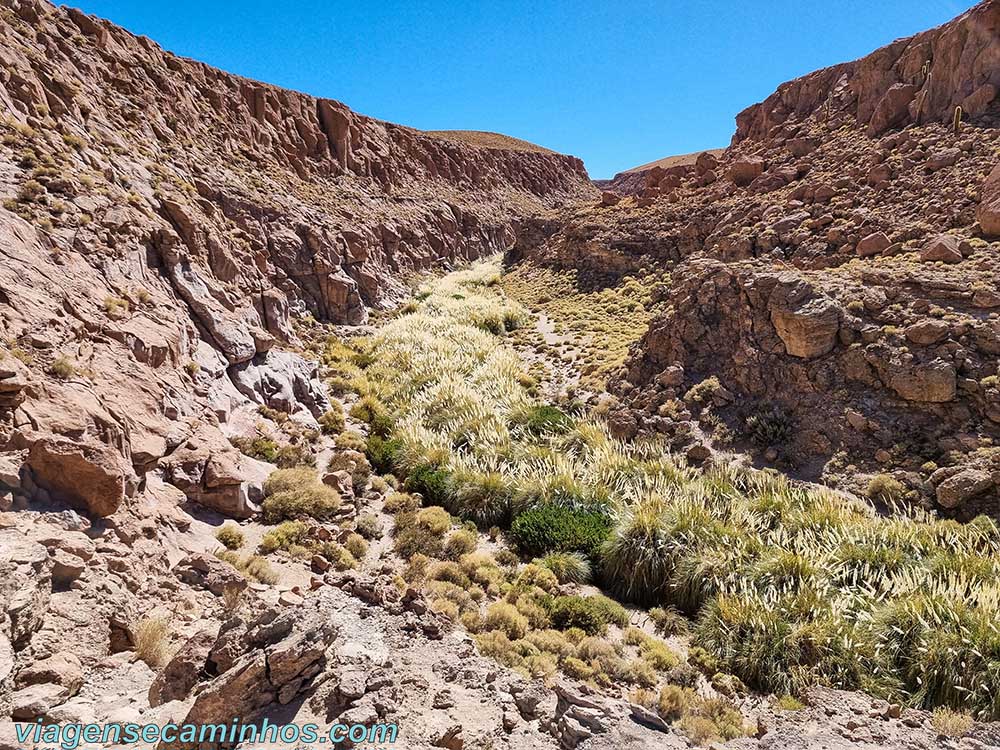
787	585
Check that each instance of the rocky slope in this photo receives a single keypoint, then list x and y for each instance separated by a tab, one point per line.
176	241
165	227
835	270
167	232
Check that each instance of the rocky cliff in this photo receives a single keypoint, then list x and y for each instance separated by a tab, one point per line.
829	281
916	80
166	226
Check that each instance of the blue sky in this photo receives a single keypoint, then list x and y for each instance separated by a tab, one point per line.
616	83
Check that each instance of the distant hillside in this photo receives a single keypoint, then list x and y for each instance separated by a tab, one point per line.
633	180
484	139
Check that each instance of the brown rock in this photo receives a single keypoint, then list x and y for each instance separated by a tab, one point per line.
35	701
962	487
809	330
746	170
873	244
184	670
934	382
892	109
942	159
62	668
944	247
89	475
927	332
209	572
988	214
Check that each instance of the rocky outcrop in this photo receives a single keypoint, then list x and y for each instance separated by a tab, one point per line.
154	269
910	81
88	475
989	206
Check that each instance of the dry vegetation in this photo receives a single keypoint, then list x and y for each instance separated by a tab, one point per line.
485	139
592	329
784	586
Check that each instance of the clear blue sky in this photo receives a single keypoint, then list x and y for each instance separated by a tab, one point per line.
618	83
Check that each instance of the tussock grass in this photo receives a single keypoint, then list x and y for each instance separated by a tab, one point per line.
788	586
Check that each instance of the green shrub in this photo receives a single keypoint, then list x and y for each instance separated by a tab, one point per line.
383	453
338	555
668	621
886	489
950	723
505	618
369	409
674	701
400	502
259	447
229	536
540	420
368	526
770	426
354	441
284	536
704	391
151	635
556	528
356	464
433	482
770	648
569	567
252	566
63	368
421	532
459	543
283	480
584	613
290	456
356	545
332	422
481	497
297	493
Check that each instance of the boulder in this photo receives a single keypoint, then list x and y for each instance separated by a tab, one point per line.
944	247
25	586
89	475
184	670
873	244
211	472
927	332
989	205
932	382
66	568
941	159
14	378
706	162
62	668
893	108
6	673
746	170
281	654
808	330
962	487
35	701
209	572
283	381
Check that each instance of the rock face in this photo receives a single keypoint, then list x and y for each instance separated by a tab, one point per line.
840	283
154	268
989	207
91	476
911	81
